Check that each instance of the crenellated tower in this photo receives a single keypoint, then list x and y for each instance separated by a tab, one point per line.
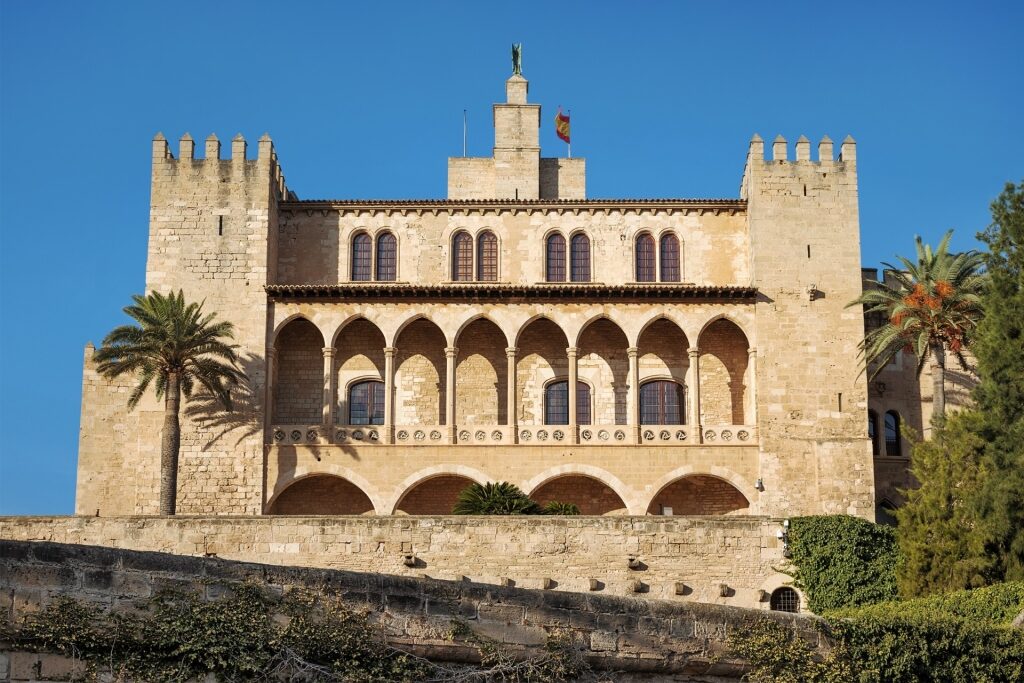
805	262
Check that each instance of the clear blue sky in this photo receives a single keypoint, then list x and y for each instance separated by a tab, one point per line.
365	100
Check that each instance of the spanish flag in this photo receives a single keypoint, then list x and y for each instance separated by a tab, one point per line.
562	125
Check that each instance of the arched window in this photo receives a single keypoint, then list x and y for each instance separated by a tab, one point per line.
366	403
580	263
661	403
892	434
387	257
487	257
556	403
645	258
670	270
555	271
785	599
362	257
873	431
462	257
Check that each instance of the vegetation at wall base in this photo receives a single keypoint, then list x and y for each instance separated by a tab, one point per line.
248	635
842	561
504	498
962	637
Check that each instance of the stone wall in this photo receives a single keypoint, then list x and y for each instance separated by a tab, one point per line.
683	559
666	641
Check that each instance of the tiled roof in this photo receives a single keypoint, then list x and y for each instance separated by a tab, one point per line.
348	291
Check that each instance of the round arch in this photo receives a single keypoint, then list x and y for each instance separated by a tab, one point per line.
413	480
289	477
603	476
728	476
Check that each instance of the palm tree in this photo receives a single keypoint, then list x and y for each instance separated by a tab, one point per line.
494	498
173	346
932	309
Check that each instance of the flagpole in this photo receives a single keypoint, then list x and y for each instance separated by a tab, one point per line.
463	132
570	133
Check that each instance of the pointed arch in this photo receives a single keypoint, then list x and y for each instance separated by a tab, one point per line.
298	373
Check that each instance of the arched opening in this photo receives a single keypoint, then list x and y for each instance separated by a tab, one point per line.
645	266
785	599
662	356
698	494
321	494
358	356
723	368
541	358
298	374
590	495
481	375
362	257
387	257
420	374
555	258
462	257
893	444
366	403
434	496
604	364
670	260
580	263
873	432
487	257
556	403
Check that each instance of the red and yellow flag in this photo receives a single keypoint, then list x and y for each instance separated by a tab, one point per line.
562	125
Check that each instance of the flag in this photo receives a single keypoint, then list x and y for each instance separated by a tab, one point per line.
562	125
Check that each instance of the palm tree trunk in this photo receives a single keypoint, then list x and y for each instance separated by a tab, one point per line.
169	444
938	381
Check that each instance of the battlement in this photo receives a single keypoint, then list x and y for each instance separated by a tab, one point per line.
801	164
212	162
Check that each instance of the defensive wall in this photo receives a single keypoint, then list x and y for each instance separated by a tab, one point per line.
642	639
725	560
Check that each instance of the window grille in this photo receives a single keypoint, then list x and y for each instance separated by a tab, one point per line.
366	403
580	258
670	270
362	255
487	257
785	599
462	258
892	433
645	258
661	403
556	258
387	257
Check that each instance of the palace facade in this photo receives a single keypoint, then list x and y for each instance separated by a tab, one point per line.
631	356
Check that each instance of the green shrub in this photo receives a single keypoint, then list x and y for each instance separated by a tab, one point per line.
997	604
494	498
842	561
557	508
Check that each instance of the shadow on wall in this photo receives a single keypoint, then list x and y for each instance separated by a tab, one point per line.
244	420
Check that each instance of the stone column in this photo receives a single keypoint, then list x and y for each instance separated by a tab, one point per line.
693	394
572	352
389	393
270	390
633	395
750	413
510	386
330	387
450	354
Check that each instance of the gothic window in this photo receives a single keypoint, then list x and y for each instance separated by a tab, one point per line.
661	403
362	257
487	257
387	257
892	434
462	257
873	431
580	263
785	599
645	258
556	403
366	403
556	258
670	271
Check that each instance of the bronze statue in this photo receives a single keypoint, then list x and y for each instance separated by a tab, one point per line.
517	59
